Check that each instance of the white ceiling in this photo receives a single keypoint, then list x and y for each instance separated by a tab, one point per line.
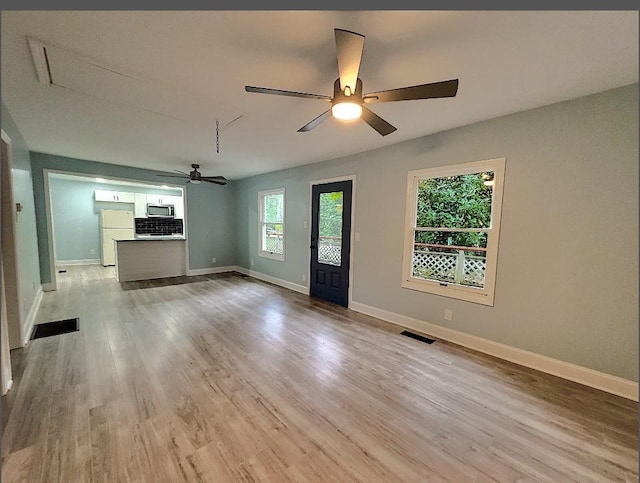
184	70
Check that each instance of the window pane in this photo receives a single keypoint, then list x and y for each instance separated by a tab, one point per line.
273	238
450	257
330	228
274	208
462	201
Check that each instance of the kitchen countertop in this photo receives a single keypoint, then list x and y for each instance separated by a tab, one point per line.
155	238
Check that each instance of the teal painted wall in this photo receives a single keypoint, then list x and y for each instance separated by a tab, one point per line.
208	199
215	225
76	215
567	275
28	265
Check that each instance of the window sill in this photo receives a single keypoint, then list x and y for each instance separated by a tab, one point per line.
453	291
273	256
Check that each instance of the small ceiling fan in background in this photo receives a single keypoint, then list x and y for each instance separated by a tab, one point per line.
348	99
196	177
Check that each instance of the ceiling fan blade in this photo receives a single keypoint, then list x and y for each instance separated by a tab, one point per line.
219	178
349	47
172	176
214	181
279	92
447	88
316	122
181	172
376	122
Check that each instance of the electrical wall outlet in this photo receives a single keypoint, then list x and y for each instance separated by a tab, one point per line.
304	277
213	260
252	262
448	314
92	251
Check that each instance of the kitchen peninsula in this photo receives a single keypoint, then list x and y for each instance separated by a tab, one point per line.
150	257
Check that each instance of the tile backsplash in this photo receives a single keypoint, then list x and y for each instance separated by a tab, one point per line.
158	226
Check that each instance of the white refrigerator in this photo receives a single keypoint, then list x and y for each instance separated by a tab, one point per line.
114	225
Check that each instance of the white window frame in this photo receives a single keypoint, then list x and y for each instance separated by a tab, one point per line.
484	295
261	222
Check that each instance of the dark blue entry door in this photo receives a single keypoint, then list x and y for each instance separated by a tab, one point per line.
331	241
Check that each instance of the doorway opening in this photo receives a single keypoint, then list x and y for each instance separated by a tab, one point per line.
87	214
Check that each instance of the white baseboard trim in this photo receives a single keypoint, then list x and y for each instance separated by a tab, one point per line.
49	287
207	271
7	387
31	317
88	261
566	370
276	281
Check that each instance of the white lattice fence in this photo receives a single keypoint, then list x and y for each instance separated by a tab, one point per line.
434	264
274	244
442	266
330	253
474	270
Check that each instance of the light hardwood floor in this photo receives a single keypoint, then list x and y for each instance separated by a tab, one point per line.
225	378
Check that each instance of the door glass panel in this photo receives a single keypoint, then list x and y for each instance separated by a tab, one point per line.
330	228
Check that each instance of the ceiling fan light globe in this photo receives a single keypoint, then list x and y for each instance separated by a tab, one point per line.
346	111
195	181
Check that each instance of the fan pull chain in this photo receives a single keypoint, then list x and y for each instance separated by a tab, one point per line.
217	137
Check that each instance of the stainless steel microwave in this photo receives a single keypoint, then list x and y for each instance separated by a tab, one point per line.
160	211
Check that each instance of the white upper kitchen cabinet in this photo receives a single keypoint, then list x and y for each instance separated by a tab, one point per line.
160	199
140	205
115	196
178	203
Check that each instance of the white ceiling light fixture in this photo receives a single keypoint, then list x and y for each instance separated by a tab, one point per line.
346	111
345	106
100	180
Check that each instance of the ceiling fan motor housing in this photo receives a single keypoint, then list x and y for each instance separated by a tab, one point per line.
340	96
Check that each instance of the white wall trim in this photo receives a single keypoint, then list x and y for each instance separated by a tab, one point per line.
276	281
6	387
31	317
88	261
48	287
207	271
566	370
50	238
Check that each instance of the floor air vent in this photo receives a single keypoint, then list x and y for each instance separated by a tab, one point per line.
48	329
421	338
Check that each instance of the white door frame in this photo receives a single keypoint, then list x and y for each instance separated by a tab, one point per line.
50	228
7	378
352	178
11	272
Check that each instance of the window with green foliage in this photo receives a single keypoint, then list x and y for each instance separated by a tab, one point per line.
271	224
452	229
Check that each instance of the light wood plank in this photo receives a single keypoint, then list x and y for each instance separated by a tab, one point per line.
226	378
